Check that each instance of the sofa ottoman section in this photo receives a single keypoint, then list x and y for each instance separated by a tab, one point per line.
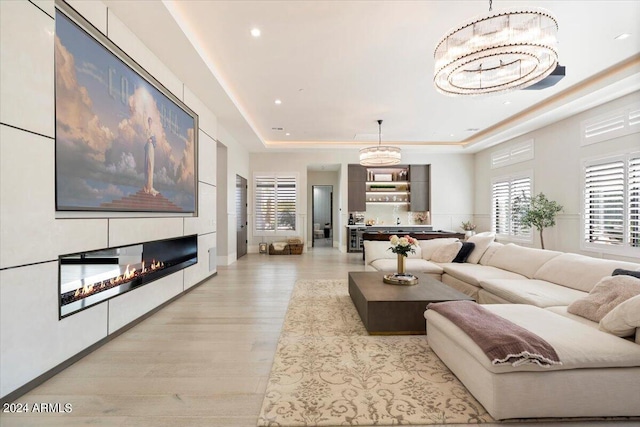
598	376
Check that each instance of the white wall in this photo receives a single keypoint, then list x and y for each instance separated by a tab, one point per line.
452	186
557	172
32	339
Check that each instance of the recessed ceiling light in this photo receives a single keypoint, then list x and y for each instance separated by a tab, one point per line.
507	102
278	102
287	134
255	32
450	134
623	36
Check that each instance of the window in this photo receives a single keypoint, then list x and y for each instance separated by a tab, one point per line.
624	121
612	204
516	154
505	193
275	203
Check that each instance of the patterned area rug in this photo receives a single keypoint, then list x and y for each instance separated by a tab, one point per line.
328	371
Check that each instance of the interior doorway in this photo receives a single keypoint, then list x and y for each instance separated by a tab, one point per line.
322	220
241	215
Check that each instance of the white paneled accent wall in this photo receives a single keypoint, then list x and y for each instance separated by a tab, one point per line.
127	308
126	231
132	46
207	149
26	34
208	122
197	272
32	338
205	222
30	233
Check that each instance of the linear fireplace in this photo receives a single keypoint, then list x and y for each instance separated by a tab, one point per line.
89	278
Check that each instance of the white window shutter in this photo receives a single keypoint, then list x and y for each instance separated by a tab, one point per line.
604	203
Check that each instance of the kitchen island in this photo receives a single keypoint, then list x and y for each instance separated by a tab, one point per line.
356	234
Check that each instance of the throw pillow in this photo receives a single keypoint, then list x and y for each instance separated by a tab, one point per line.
482	242
430	246
465	250
605	296
620	271
623	320
446	253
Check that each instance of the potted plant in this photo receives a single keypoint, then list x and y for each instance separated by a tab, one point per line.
537	211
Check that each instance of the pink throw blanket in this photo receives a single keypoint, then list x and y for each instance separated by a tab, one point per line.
501	340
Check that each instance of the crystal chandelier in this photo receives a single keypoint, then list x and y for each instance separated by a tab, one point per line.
503	50
380	155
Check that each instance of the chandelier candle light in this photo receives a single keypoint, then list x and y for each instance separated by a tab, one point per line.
501	51
380	155
401	246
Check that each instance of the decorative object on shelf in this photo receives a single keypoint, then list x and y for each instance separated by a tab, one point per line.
421	217
401	246
503	50
469	229
538	212
380	155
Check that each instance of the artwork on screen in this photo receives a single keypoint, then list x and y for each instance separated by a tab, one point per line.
122	143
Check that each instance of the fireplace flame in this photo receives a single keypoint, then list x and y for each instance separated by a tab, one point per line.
129	274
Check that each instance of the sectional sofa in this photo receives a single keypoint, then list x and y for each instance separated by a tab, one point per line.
533	288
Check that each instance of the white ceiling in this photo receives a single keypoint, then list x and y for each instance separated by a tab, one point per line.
338	66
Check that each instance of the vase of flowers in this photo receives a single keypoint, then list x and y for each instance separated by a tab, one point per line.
469	229
402	246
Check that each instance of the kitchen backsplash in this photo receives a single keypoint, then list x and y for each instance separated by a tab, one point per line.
388	214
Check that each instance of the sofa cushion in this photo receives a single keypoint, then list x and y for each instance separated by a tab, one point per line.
412	265
605	296
490	252
465	250
428	247
531	291
482	242
624	319
578	271
562	311
521	260
446	253
474	273
379	249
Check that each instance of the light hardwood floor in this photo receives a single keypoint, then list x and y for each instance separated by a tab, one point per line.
203	360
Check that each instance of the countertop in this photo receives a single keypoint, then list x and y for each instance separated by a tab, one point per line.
393	226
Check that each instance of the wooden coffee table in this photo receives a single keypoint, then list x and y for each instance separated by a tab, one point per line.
395	309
